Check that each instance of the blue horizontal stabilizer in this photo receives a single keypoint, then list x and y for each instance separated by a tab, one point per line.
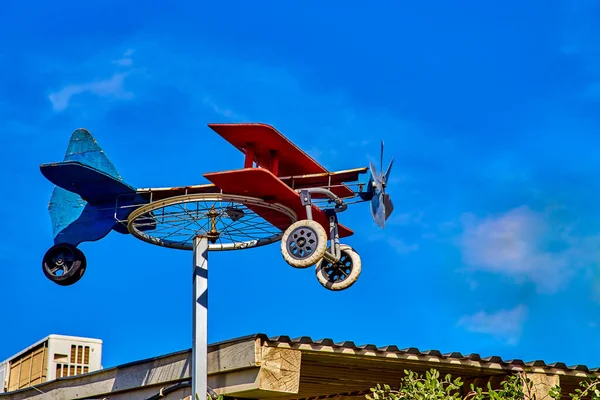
93	185
83	207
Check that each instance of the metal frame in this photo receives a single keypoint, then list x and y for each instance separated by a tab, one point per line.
217	197
334	253
201	246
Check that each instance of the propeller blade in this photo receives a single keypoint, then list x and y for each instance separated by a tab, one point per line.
388	205
375	175
387	172
378	211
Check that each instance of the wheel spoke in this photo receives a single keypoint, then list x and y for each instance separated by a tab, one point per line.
239	221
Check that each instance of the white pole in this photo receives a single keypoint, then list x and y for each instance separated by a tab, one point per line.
200	318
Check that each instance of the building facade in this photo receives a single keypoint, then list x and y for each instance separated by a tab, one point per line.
280	368
53	357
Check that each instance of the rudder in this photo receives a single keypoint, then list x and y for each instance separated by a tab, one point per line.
84	148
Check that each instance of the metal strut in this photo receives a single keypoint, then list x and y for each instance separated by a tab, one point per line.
333	254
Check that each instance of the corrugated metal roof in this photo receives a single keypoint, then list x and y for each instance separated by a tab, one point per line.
457	356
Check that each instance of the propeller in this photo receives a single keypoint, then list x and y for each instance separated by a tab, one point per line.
381	203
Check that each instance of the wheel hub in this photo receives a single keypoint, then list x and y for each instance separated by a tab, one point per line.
213	235
339	271
302	242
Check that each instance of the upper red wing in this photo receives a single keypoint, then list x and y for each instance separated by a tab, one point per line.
258	182
265	138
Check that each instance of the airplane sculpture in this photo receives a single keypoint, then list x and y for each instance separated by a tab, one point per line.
280	194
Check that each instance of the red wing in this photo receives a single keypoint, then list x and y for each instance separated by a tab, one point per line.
335	181
265	139
258	182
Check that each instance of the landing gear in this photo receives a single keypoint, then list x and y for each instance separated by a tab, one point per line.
341	274
304	244
64	264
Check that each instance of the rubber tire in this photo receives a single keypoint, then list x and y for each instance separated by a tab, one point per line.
320	249
350	280
74	274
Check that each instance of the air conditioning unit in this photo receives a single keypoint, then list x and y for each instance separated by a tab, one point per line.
53	357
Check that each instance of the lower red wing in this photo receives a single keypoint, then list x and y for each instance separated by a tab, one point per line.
259	182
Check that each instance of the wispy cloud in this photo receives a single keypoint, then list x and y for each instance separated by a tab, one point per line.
581	35
522	245
108	88
225	112
125	60
506	325
112	87
401	246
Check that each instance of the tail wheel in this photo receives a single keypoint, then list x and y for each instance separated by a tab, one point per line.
304	243
64	264
342	274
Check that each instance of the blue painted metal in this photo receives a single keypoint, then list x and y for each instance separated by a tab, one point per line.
94	186
86	150
82	206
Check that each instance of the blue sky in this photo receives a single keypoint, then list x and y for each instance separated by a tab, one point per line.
490	108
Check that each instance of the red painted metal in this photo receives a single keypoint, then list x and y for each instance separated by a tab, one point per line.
249	159
292	160
259	182
274	162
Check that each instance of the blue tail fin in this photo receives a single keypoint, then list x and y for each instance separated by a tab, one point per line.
82	206
83	148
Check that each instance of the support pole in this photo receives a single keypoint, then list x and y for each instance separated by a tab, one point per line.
200	318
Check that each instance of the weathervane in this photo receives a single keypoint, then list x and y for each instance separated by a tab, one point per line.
280	194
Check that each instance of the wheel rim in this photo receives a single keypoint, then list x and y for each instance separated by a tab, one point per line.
302	242
240	221
61	262
340	271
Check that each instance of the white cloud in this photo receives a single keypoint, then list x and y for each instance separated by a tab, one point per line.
404	219
580	35
125	60
226	112
504	324
522	245
111	88
401	246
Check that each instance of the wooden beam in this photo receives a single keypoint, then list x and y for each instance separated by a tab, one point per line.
280	370
541	385
277	375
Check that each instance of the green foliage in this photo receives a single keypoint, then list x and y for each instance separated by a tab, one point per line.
515	387
590	388
413	386
208	397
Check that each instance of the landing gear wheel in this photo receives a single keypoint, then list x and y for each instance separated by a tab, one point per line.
340	275
64	264
304	243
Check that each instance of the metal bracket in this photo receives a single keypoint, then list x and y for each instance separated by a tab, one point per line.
334	254
306	201
305	197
